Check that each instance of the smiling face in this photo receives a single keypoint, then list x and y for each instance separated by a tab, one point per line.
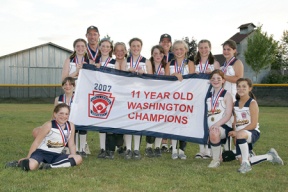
135	48
62	115
120	51
80	48
217	80
243	88
166	44
68	87
157	55
228	52
204	49
92	37
179	50
105	48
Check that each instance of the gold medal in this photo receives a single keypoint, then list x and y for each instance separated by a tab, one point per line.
212	119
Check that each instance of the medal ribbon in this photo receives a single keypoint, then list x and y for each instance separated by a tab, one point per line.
181	68
205	66
64	138
106	62
76	60
167	58
215	99
90	53
64	99
137	62
159	69
226	65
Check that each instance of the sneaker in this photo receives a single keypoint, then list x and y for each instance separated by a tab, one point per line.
164	149
102	154
121	151
174	156
206	156
136	154
245	167
12	164
214	164
199	156
157	152
149	152
83	154
109	155
24	164
182	156
128	154
275	156
44	166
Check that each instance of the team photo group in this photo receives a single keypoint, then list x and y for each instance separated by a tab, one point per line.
229	109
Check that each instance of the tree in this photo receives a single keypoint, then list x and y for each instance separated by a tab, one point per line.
261	50
192	47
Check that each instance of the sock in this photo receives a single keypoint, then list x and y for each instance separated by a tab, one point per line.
137	142
243	145
158	142
227	145
207	150
102	137
149	145
216	151
68	162
260	158
82	141
128	141
77	141
174	146
181	151
202	149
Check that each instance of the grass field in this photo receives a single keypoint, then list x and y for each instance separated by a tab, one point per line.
161	174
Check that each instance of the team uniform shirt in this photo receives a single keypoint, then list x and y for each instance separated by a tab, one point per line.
202	67
216	107
109	62
243	117
74	62
228	70
57	138
169	57
62	99
138	65
183	69
160	70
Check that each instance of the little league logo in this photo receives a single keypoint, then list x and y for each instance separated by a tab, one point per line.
100	104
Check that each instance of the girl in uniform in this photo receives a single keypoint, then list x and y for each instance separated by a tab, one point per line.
158	65
220	106
46	150
205	63
178	67
71	68
246	129
139	64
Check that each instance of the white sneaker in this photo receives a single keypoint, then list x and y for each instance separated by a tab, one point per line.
199	156
206	156
174	156
182	156
214	164
245	167
276	158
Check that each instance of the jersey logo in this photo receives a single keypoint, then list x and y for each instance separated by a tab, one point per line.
100	104
243	114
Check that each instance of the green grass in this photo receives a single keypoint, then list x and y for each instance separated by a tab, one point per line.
161	174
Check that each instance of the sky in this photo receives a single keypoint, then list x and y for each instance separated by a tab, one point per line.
29	23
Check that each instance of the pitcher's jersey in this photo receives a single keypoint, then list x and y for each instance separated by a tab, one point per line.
184	69
141	64
55	140
243	116
229	71
219	111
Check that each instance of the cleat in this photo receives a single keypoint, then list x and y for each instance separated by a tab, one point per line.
275	156
121	151
109	155
245	167
44	166
12	164
214	164
206	156
83	154
174	156
199	156
182	156
102	154
164	149
157	152
149	152
128	154
136	154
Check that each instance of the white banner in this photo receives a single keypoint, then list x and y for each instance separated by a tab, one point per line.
114	101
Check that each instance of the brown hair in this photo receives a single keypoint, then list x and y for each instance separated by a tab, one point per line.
60	106
111	46
231	44
69	79
217	71
211	58
135	39
74	52
250	84
163	62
